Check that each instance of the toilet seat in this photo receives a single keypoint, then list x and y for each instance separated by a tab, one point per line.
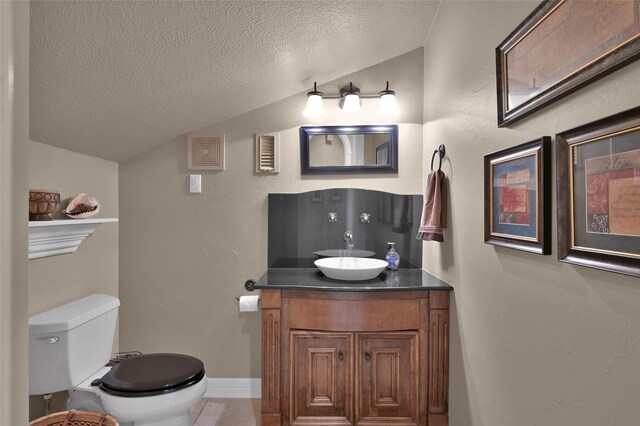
152	374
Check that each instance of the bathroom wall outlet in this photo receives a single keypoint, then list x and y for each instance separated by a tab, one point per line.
195	184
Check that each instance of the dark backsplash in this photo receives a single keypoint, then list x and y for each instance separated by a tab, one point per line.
299	225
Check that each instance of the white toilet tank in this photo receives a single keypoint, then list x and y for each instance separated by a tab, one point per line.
69	343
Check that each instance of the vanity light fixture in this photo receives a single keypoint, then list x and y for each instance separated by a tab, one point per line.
350	100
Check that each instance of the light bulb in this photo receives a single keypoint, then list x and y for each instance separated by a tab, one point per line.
314	106
388	104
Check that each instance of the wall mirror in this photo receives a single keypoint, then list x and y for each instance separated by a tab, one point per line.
348	149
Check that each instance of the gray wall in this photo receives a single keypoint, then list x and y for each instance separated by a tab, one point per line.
94	267
299	225
56	280
533	341
14	136
185	257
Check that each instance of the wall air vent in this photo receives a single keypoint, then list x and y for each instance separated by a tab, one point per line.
205	151
267	153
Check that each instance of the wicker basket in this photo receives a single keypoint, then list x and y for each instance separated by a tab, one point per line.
75	418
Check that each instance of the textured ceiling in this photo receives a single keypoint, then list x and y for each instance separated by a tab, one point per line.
115	78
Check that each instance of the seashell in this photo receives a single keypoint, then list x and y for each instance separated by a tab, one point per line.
82	206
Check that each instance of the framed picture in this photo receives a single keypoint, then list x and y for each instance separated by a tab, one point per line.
560	47
598	189
516	197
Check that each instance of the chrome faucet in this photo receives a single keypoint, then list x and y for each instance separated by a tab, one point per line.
348	238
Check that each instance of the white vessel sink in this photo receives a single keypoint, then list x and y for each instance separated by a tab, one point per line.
344	253
350	268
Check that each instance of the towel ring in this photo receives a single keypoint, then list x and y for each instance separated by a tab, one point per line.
441	152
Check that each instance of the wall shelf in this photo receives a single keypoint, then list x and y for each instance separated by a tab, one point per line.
54	237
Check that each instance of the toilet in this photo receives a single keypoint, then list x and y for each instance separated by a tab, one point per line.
69	347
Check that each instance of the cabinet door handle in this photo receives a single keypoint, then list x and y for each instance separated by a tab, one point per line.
367	356
340	356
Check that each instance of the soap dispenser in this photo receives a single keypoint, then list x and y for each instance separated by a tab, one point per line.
392	257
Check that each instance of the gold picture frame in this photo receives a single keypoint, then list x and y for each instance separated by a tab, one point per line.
517	183
598	189
561	46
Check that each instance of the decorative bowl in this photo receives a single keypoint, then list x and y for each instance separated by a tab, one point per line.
42	202
350	268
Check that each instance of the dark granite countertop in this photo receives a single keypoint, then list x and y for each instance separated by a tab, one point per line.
312	279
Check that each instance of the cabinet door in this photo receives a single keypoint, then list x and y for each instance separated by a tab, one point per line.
387	378
321	378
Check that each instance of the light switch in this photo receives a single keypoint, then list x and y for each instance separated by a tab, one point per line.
195	184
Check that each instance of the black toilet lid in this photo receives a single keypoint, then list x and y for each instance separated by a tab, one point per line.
152	374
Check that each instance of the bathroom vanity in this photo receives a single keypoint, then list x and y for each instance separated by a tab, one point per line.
369	352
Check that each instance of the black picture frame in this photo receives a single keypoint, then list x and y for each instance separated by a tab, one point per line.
527	75
389	129
517	203
598	194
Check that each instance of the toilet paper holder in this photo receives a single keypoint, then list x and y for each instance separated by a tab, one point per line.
247	303
249	286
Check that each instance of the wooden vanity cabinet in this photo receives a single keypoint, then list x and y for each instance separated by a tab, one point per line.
354	358
321	376
387	378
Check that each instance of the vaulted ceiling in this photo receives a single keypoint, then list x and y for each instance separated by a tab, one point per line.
115	78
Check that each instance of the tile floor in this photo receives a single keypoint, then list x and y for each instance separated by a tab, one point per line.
226	412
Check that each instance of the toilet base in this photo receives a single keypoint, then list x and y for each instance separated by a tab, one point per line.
87	401
180	420
172	409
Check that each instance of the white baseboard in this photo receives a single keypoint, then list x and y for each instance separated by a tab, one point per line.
233	388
